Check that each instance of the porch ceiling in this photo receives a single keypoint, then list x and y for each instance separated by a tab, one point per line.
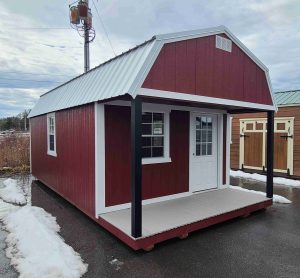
167	215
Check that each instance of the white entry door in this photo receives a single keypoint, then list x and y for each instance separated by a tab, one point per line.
203	152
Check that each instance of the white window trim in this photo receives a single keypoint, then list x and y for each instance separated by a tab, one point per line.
49	152
166	158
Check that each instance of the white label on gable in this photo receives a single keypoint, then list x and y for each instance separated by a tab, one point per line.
223	43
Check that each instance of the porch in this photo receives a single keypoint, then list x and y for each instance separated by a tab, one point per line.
179	217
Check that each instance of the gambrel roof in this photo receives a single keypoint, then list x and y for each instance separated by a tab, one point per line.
123	74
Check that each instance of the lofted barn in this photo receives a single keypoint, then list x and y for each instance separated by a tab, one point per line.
141	143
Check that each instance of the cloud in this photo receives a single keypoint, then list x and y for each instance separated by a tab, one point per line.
35	58
15	100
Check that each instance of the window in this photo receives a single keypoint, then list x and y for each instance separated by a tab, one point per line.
51	135
152	134
155	137
204	135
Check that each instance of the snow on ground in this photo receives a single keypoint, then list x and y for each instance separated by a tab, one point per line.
35	247
12	193
258	177
276	198
116	263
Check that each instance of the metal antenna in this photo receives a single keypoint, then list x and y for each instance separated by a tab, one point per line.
81	20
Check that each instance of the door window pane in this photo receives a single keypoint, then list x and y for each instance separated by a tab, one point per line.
204	126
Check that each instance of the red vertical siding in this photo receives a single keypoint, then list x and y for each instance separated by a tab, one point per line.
158	179
72	172
197	67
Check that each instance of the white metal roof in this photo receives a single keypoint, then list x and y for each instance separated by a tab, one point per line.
122	75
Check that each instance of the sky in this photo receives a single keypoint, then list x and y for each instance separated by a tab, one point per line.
39	50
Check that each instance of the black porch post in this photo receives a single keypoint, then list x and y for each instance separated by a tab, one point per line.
136	167
270	153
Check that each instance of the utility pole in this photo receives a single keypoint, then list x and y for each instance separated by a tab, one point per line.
81	20
86	44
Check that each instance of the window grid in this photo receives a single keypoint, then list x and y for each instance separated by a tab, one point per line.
203	135
152	134
51	134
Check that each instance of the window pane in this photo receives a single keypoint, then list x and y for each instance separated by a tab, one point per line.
203	136
157	151
209	123
198	149
146	152
198	122
158	118
146	141
203	149
51	142
209	136
209	148
197	135
147	117
203	120
157	141
146	129
158	129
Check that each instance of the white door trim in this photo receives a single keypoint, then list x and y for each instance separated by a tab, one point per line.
219	148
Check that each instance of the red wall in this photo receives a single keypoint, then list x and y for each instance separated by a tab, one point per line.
197	67
71	173
157	179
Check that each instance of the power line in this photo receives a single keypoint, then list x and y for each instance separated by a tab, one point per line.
39	28
16	79
32	73
104	29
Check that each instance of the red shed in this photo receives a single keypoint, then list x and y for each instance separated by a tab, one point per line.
140	143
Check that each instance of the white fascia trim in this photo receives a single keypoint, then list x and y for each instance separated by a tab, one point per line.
271	90
158	107
99	158
148	63
202	99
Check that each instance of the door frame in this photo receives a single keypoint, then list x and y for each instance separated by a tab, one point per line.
290	144
219	147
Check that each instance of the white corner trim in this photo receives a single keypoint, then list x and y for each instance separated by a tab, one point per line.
220	151
99	158
156	160
30	147
202	99
228	143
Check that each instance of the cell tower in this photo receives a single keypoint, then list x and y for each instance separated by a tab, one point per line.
81	20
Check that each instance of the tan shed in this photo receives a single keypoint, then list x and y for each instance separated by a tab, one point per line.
248	144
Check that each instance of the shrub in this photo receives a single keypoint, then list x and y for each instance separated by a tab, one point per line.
14	151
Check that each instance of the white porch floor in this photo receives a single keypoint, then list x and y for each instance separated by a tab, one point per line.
167	215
